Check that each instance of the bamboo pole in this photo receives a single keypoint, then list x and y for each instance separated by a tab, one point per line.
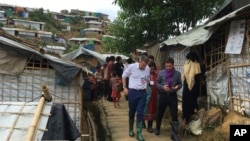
23	128
26	113
239	65
229	82
81	107
33	126
14	124
46	93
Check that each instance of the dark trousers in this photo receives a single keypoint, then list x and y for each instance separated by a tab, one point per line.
106	88
137	103
164	101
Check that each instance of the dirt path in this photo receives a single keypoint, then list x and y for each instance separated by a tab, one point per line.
117	122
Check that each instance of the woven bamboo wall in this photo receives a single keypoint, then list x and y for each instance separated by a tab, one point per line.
216	71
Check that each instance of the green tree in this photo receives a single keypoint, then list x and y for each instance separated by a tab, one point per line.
128	32
150	21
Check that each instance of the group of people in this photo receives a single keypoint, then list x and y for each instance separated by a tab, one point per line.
150	91
111	73
106	81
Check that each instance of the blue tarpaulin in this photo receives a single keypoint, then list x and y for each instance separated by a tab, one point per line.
89	47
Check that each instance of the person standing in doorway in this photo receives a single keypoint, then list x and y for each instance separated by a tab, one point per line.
138	74
191	87
168	83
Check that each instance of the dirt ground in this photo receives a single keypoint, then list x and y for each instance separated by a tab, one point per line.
221	132
116	121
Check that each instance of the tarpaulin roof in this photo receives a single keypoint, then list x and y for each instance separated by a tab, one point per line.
92	29
84	39
101	58
27	21
67	70
227	17
88	58
94	22
199	35
195	36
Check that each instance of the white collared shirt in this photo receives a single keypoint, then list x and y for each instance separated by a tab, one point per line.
138	79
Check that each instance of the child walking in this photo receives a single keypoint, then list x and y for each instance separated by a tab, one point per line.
115	84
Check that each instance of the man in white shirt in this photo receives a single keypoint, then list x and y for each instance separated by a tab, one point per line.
138	74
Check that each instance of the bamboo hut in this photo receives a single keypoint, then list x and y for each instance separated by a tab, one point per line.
24	67
84	59
226	63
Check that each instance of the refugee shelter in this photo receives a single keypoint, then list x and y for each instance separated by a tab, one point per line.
83	58
223	44
25	67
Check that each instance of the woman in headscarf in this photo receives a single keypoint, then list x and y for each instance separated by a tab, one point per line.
191	86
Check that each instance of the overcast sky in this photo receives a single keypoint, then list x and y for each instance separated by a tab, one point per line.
103	6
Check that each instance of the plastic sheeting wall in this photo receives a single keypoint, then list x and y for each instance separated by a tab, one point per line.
217	86
240	79
179	60
26	88
239	66
240	85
